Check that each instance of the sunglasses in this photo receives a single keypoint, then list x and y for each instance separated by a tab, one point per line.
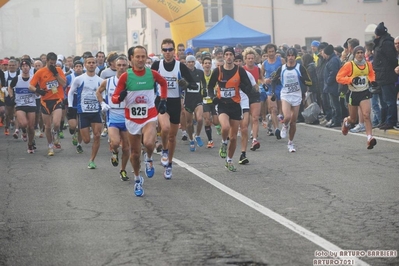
168	49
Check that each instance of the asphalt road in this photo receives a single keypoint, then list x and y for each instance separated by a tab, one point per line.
281	209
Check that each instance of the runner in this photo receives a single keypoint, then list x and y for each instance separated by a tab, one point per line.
136	89
25	101
117	131
229	78
50	81
174	72
88	108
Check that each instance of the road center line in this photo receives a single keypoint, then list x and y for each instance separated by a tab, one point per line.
326	245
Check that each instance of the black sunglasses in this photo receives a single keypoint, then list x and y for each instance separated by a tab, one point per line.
168	49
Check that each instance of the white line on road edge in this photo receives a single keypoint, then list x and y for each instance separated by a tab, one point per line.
275	216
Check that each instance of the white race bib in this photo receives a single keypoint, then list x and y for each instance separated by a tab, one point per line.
172	82
53	86
196	90
227	92
138	111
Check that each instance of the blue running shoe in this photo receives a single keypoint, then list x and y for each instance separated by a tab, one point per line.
138	188
149	168
168	172
192	145
199	141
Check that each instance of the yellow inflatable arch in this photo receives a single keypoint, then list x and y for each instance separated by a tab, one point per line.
186	17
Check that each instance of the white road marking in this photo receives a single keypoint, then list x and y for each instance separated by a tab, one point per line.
326	245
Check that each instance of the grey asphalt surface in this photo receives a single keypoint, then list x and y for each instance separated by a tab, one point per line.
55	211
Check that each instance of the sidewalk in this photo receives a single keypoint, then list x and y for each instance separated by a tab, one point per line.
390	133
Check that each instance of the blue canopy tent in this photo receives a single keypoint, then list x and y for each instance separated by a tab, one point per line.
229	32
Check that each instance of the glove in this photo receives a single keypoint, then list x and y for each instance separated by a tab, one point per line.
53	70
104	107
373	84
40	92
356	80
273	98
122	96
5	91
216	101
265	87
182	83
70	110
192	86
204	93
162	106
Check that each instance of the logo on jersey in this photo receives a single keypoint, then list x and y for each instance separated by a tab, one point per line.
141	99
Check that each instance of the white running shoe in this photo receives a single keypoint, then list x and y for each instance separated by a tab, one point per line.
283	132
165	158
291	147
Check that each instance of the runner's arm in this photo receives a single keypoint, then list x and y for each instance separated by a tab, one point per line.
162	82
212	82
119	88
100	90
343	75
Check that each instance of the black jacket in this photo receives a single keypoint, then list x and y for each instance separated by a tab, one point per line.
385	60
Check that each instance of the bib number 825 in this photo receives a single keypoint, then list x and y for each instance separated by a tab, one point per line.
138	112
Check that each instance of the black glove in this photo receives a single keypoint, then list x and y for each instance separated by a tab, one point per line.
215	100
162	106
204	93
122	96
192	86
373	84
182	83
265	87
70	110
40	92
356	80
53	70
273	98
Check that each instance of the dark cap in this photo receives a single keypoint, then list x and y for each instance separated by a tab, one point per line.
292	51
229	49
77	62
381	29
329	50
26	62
339	49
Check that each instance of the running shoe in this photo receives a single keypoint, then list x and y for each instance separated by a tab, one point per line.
37	132
283	132
149	168
277	133
50	152
16	134
243	159
218	130
75	139
24	137
210	144
6	131
138	188
345	128
230	166
92	165
123	175
57	144
192	145
34	144
223	150
270	132
184	136
114	159
255	145
31	149
280	118
79	148
199	141
291	147
358	128
168	172
371	143
61	135
165	158
104	133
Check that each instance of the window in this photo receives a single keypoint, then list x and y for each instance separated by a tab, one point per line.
215	10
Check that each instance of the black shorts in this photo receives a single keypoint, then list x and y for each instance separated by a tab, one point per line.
190	106
355	97
72	114
86	119
65	104
233	110
38	105
50	105
173	108
2	103
254	97
9	102
26	109
209	108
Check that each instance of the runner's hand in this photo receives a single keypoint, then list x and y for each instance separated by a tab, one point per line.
104	107
5	91
40	92
53	70
123	95
162	106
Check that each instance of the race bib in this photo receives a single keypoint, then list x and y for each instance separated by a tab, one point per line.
361	82
195	90
27	99
138	111
53	86
172	82
227	92
90	105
